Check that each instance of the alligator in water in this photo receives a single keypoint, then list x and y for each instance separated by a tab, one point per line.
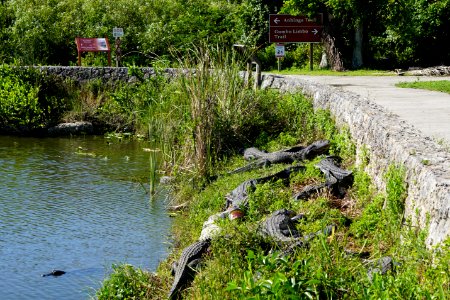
54	273
237	198
336	179
286	156
184	269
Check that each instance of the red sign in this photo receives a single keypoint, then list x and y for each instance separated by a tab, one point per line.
93	45
294	29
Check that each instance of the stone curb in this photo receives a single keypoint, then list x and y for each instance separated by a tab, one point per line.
389	141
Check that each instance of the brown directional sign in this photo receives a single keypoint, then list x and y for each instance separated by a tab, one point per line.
294	29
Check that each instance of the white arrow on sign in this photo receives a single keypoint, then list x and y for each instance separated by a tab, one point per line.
276	21
315	31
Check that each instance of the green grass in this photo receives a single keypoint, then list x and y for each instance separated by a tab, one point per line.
439	85
240	265
327	72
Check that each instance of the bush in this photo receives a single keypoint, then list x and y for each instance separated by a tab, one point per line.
30	100
127	282
19	102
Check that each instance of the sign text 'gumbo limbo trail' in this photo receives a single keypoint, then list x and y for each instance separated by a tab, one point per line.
295	29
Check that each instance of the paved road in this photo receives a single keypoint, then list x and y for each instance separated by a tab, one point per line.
428	111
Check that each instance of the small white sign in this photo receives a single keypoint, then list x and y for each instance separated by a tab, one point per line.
117	32
279	50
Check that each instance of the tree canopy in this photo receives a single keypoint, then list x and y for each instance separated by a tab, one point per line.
372	33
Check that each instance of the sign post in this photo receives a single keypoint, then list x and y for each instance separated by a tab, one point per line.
93	45
279	53
295	29
118	33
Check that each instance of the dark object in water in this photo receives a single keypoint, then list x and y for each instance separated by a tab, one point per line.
54	273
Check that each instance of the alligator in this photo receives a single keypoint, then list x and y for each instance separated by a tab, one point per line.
381	266
280	226
336	179
286	156
184	269
54	273
237	198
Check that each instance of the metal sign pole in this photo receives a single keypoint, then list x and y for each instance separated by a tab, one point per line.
117	33
118	52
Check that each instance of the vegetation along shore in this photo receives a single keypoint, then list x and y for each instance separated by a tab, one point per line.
347	241
302	219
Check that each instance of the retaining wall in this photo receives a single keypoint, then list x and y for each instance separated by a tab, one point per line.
82	74
389	141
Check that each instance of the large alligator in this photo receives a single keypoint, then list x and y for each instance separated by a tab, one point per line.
184	269
280	226
286	156
336	179
237	198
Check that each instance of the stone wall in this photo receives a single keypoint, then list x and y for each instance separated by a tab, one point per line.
389	141
82	74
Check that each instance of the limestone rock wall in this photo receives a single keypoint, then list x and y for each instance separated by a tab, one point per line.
82	74
389	141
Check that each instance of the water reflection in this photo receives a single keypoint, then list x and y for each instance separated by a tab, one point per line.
74	205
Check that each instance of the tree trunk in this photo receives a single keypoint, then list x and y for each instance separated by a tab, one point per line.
357	60
334	56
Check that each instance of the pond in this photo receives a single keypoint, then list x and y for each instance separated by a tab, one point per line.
78	205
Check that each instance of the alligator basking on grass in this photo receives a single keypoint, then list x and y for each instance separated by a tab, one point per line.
280	227
238	197
336	179
286	156
381	266
184	269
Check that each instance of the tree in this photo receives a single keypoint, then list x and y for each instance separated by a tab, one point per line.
344	26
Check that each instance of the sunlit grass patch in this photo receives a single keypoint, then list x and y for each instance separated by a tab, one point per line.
438	85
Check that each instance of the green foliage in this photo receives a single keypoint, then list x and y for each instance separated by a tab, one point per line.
370	220
279	279
127	282
30	100
243	265
19	102
396	32
439	85
396	192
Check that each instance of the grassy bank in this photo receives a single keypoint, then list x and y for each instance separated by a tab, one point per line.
369	223
200	122
439	85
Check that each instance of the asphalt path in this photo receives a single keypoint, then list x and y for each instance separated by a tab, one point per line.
428	111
